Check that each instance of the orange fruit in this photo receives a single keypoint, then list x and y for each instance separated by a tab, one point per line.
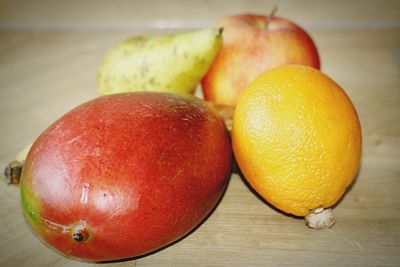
297	138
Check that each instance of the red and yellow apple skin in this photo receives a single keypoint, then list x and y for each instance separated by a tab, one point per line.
125	174
251	46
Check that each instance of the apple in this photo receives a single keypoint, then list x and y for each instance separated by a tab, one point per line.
125	174
252	44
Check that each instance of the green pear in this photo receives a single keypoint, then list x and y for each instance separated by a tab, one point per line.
170	63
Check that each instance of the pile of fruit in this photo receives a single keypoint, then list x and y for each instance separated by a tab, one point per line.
139	167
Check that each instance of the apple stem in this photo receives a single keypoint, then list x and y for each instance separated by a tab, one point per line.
271	15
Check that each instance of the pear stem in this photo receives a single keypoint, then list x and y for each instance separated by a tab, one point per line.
271	15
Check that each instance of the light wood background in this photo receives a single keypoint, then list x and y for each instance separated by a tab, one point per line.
49	51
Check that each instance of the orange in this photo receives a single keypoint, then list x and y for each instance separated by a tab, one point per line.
297	138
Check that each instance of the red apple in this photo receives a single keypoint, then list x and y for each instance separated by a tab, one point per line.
125	174
251	45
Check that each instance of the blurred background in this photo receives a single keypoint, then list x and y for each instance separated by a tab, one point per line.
49	53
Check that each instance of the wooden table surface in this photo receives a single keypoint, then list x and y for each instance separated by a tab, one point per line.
49	51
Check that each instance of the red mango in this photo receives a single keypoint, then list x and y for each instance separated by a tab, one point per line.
123	175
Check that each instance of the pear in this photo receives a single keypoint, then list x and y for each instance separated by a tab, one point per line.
170	63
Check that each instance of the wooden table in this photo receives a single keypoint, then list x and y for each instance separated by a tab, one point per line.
49	51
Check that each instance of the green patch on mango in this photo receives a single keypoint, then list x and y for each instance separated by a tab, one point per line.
30	203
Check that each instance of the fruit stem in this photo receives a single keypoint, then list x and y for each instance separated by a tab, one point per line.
271	15
12	172
80	234
320	218
220	31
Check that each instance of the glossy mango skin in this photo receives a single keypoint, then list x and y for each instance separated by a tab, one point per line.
133	172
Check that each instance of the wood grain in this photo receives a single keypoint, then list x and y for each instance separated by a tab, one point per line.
46	70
